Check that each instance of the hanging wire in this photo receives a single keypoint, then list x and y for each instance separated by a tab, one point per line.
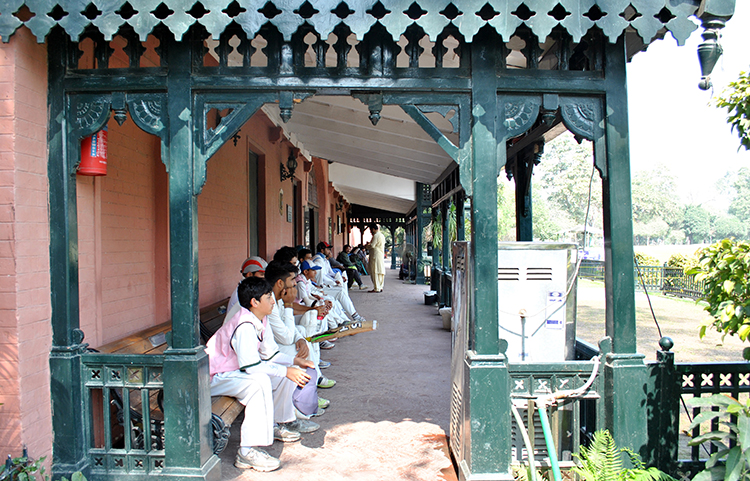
648	297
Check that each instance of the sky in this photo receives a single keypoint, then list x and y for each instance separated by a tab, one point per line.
671	121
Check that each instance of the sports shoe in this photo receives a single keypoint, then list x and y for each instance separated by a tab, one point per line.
324	364
357	317
325	383
317	413
301	426
281	432
256	459
362	287
323	403
327	345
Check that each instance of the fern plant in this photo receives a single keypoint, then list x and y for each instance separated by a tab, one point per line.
603	461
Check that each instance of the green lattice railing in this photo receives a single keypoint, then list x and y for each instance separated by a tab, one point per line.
116	389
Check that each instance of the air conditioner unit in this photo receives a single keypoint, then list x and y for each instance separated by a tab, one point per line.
537	300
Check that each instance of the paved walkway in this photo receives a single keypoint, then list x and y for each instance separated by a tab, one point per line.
389	412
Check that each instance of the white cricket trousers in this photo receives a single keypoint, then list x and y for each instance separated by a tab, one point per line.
341	294
267	399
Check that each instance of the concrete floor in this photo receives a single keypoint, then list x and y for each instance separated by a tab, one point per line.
389	412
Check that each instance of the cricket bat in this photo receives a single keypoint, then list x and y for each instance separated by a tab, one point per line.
342	331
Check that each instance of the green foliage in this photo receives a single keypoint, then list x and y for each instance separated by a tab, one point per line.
565	174
506	211
24	468
725	268
682	261
523	473
735	418
646	260
696	223
740	205
436	227
603	461
653	194
736	99
729	226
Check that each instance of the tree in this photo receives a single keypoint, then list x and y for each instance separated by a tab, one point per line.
740	205
564	177
736	99
725	269
729	226
655	208
696	224
506	210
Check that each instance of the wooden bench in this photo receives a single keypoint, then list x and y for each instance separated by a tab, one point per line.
154	341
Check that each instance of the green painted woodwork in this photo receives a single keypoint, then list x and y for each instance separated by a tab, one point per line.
187	408
65	386
486	443
485	157
423	214
664	391
394	17
617	210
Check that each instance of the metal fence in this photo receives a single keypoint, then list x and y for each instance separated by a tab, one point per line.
668	280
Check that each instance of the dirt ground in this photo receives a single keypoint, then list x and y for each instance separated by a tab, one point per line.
679	319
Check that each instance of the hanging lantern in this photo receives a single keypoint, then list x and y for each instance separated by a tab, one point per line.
94	154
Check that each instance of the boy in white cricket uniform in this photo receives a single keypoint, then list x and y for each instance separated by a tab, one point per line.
245	364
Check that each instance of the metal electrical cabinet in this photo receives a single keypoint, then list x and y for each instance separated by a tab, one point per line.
537	300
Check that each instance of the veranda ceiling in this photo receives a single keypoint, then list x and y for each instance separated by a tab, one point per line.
379	164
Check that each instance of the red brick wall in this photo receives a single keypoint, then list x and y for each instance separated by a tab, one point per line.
25	331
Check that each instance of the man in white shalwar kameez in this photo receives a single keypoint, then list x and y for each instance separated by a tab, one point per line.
376	249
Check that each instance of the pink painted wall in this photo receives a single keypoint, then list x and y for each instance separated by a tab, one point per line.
122	250
223	222
25	330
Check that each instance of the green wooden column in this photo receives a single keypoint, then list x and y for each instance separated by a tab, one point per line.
424	208
524	206
446	251
69	444
460	201
434	280
445	255
187	399
625	371
487	438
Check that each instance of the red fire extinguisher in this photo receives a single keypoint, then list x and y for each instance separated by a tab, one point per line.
94	154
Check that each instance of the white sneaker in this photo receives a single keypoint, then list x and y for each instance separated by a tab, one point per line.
256	459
